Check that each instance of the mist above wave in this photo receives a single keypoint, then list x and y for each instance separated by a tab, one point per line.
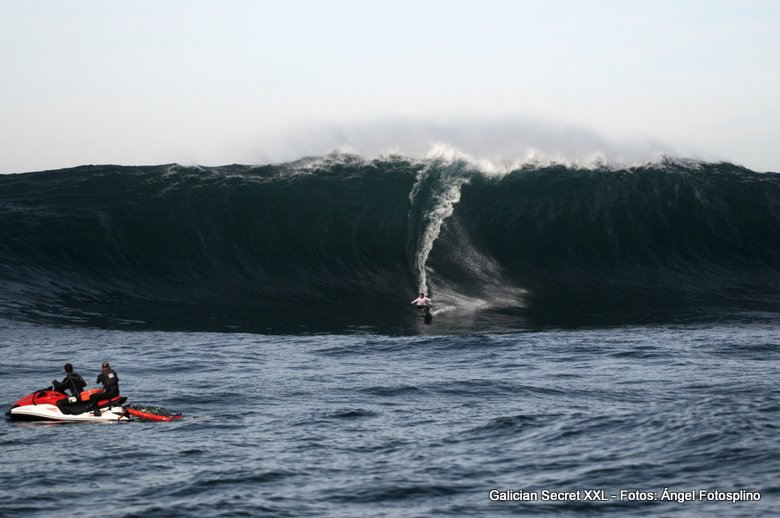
493	145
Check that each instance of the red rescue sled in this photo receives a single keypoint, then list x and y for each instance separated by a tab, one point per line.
151	413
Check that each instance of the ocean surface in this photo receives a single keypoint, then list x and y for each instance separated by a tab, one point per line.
604	338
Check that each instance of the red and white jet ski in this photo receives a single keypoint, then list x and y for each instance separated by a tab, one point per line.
51	405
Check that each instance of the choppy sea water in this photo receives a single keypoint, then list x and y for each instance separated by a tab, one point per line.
425	425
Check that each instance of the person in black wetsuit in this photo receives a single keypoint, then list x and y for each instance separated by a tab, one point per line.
108	377
72	381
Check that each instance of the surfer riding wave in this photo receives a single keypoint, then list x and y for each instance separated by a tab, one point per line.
423	304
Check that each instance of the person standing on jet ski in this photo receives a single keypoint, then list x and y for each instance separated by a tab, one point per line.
72	381
110	381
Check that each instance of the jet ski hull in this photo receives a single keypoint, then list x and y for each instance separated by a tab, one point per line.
51	405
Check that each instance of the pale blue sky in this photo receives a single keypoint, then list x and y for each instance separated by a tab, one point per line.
249	81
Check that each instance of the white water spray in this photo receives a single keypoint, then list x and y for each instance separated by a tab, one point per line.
444	196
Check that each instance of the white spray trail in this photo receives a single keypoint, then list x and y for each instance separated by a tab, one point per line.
444	199
433	197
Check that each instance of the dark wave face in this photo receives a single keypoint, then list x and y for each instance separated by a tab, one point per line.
341	242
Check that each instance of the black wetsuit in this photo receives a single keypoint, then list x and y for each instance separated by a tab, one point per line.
110	381
73	382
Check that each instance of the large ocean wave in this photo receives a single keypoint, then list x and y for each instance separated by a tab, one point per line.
341	242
